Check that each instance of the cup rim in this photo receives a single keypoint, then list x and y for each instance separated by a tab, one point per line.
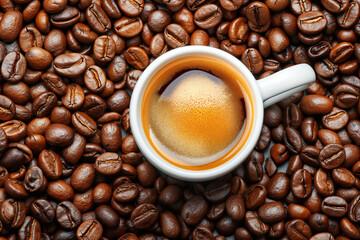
137	126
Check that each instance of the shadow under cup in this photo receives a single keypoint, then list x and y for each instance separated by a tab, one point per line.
163	77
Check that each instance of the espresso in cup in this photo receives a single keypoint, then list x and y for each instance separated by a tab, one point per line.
196	112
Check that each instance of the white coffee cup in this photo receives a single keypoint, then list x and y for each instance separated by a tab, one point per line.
264	93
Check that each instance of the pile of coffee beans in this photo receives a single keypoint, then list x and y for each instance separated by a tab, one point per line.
67	171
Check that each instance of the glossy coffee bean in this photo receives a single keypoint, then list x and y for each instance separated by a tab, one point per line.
208	16
108	163
312	22
331	156
68	215
144	216
43	211
301	183
334	206
89	229
59	135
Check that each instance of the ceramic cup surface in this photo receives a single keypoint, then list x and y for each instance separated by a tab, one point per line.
263	93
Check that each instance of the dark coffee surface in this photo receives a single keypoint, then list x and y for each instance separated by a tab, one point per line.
70	168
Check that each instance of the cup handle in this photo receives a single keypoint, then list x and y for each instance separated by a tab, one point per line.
285	83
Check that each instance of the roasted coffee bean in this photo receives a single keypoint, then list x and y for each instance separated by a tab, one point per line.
323	183
278	40
8	109
108	163
299	7
54	83
97	19
326	136
14	188
107	216
300	55
301	183
194	210
68	215
12	212
254	166
66	18
235	207
336	119
343	177
238	30
265	138
126	192
30	37
312	22
346	96
15	130
254	224
70	64
292	116
137	57
324	235
352	129
104	49
341	52
332	156
50	164
176	36
38	58
60	190
335	6
258	15
325	68
296	211
144	216
118	101
334	206
298	227
273	116
279	153
272	212
59	135
350	16
10	25
309	155
207	16
278	186
128	27
73	153
94	79
43	211
43	104
292	140
354	210
83	177
255	196
30	229
84	124
34	180
83	33
13	67
171	227
252	60
89	229
319	50
111	137
131	8
316	104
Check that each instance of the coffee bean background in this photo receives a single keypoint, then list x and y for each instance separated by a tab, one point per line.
70	168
